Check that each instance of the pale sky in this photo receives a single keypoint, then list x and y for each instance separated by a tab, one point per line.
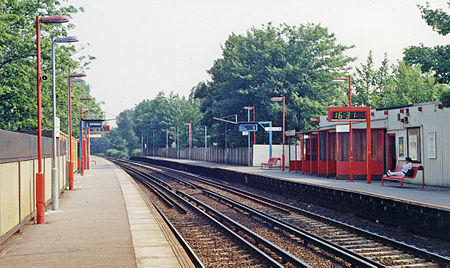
146	46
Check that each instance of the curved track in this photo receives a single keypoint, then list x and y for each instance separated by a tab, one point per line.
317	240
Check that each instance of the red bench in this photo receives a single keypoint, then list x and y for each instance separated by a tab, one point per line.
401	177
272	162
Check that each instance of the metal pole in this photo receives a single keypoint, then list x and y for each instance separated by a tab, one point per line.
226	145
40	180
55	186
82	159
350	127
369	147
283	156
153	143
206	142
167	143
248	136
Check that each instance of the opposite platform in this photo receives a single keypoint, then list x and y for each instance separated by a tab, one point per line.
104	221
431	196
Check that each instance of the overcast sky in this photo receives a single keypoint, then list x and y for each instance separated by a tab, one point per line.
146	46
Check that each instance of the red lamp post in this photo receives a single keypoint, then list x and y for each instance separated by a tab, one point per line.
69	104
190	138
83	157
282	98
339	80
40	179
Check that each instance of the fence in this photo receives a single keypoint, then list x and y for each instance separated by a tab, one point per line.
234	156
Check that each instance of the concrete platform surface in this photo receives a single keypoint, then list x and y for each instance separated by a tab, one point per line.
103	222
430	195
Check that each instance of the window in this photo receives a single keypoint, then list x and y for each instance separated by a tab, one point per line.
414	144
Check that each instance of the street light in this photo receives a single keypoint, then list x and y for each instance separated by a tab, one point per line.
55	182
342	80
190	137
175	131
282	98
69	132
40	179
82	153
248	108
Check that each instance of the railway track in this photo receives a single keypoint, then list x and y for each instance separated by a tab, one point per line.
308	236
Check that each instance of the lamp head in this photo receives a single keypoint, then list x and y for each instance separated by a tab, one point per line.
54	19
77	75
339	79
276	99
67	39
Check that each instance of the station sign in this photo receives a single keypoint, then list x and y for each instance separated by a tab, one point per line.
93	124
93	136
290	133
105	129
248	127
272	128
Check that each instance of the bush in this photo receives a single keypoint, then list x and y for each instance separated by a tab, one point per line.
445	97
136	152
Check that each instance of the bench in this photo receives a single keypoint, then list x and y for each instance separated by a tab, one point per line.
271	163
401	177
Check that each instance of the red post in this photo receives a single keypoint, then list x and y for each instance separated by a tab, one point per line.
70	139
326	150
283	156
310	153
318	152
302	142
40	180
289	152
369	146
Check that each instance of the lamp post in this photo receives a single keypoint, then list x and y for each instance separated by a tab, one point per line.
83	150
55	182
190	138
248	108
341	80
40	179
69	132
282	98
175	132
153	142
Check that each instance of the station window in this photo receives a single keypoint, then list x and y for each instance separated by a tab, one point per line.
413	145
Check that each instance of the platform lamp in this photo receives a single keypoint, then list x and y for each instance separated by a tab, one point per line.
282	98
82	153
55	182
69	104
190	138
342	80
40	179
175	132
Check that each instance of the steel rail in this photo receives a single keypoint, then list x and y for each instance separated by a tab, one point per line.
261	240
261	253
345	254
445	261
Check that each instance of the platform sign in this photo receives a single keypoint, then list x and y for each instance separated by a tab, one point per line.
248	127
105	129
272	128
93	136
290	133
347	114
93	124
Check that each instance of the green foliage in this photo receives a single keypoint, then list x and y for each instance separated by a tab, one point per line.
445	97
296	62
18	106
369	83
150	120
438	19
432	59
408	85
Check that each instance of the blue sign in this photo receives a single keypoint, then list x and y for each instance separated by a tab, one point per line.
93	124
248	127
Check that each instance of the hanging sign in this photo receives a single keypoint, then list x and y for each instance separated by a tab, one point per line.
290	133
248	127
272	128
336	114
93	124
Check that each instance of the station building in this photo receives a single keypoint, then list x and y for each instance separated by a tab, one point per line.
420	131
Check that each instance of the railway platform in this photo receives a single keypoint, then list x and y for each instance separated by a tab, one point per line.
425	211
104	221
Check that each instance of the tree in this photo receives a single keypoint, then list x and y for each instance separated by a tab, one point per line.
408	85
18	65
297	62
369	83
438	57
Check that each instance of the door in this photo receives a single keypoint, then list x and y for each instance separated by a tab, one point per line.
391	153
